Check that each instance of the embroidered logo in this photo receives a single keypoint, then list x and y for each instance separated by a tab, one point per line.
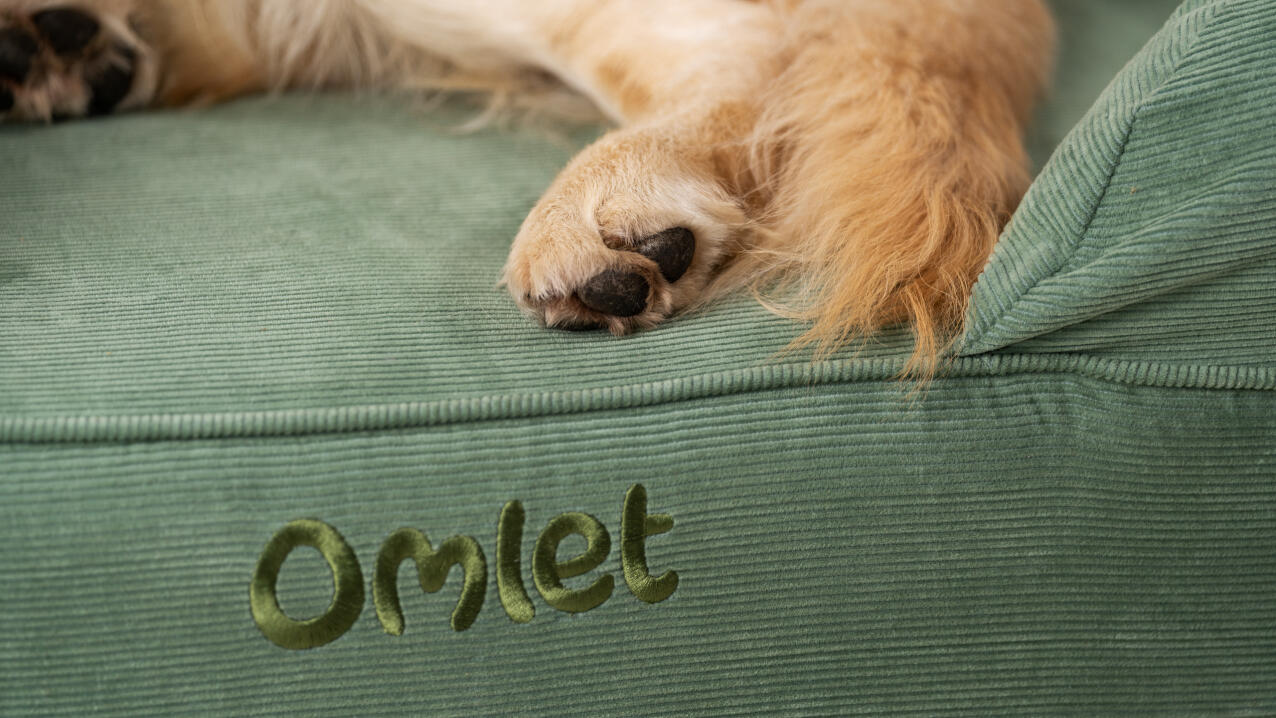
433	565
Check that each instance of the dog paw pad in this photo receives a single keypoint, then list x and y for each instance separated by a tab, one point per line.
616	293
65	29
110	85
17	49
672	250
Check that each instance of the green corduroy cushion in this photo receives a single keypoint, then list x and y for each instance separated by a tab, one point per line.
221	331
1149	233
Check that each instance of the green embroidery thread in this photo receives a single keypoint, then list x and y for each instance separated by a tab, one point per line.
347	587
509	575
635	526
433	567
432	570
548	572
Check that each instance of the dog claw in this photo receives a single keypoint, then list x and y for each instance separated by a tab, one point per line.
616	293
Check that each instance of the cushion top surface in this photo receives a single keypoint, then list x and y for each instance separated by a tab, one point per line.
272	257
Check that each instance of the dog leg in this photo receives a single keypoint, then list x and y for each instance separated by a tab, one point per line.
864	155
637	225
896	132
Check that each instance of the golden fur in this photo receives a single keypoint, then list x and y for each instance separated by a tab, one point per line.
851	161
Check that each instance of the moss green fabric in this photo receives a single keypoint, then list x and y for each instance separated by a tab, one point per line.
213	324
1164	252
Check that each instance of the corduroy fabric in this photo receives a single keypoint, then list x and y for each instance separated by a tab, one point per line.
1080	547
1170	255
212	324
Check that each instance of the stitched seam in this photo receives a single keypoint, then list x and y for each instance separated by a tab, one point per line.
414	415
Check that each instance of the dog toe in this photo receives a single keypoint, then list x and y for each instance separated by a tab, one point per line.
17	49
616	293
65	29
110	85
672	250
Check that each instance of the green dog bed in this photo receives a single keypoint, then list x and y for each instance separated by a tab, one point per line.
255	370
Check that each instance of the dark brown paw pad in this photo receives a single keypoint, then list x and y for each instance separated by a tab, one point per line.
616	293
67	30
17	51
672	250
109	85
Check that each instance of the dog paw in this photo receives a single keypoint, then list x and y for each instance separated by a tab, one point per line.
629	293
63	62
631	232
